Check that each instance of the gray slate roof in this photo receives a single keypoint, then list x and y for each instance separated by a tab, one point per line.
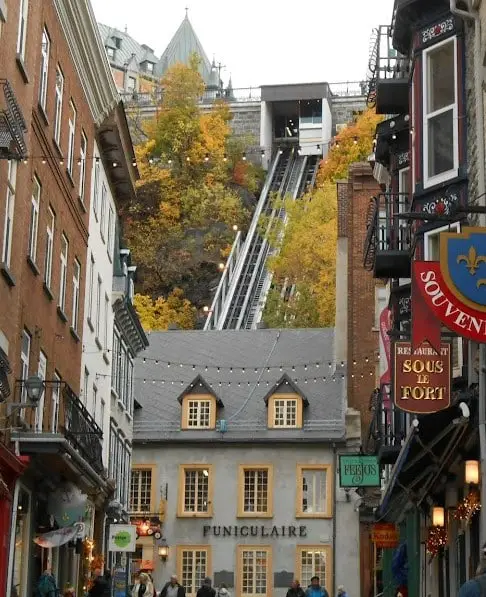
128	47
184	43
244	410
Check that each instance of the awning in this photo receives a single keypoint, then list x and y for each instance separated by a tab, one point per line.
431	444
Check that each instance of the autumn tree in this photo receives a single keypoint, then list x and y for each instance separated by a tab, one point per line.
156	315
182	223
304	262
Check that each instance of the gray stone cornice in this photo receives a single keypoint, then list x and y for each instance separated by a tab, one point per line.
89	57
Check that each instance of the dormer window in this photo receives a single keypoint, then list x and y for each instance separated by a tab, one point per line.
199	406
110	52
199	413
285	405
285	412
148	67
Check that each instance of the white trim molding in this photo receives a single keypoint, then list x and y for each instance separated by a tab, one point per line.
89	57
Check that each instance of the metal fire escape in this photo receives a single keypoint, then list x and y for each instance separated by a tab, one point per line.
241	294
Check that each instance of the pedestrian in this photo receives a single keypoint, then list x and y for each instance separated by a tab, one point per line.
341	591
223	591
46	586
173	588
153	584
206	589
295	589
143	586
315	589
99	587
476	587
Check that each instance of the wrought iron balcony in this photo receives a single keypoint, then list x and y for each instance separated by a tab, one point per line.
388	239
388	428
388	75
81	430
12	125
57	417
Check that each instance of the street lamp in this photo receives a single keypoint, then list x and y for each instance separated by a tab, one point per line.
34	386
163	550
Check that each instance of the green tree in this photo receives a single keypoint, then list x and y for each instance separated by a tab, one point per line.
182	222
304	267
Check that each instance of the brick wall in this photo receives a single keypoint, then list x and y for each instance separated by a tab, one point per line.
362	335
27	304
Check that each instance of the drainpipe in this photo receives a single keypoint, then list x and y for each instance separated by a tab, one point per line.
478	77
334	518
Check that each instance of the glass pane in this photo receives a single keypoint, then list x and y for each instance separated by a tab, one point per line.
441	87
441	143
314	491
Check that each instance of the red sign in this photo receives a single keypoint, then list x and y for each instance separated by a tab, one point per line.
385	535
433	301
422	378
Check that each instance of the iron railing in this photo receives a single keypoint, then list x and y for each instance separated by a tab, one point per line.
239	95
389	424
12	125
387	226
81	430
384	61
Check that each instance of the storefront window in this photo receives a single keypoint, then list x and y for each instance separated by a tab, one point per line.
21	544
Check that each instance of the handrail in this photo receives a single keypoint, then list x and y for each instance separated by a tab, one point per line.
226	275
264	247
249	236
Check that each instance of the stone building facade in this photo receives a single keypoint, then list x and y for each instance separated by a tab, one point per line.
236	444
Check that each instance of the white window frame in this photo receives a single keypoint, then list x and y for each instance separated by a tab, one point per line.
91	287
86	386
76	287
286	424
98	305
82	165
39	410
50	228
432	234
55	400
22	32
34	218
71	137
110	234
253	572
110	52
136	488
201	484
44	71
106	322
190	574
58	106
443	176
25	361
103	211
9	212
197	422
63	271
95	403
96	186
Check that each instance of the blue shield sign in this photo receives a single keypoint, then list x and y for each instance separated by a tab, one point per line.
463	265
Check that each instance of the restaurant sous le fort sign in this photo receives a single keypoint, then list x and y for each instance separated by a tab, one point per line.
450	292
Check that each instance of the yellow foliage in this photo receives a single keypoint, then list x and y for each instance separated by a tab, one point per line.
158	314
354	143
306	261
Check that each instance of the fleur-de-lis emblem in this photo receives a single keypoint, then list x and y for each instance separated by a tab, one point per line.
472	260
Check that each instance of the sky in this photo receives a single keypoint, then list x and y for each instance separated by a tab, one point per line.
262	42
